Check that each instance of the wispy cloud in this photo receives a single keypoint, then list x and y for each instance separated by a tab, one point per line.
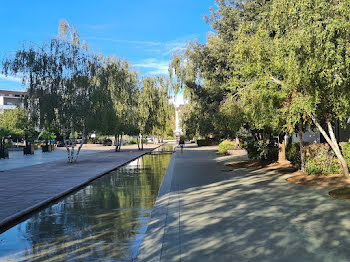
11	78
156	47
154	66
98	26
149	43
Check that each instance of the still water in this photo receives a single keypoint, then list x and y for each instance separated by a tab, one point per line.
104	221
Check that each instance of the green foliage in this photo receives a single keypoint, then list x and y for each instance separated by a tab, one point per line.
319	158
322	164
46	135
17	123
272	66
256	149
133	141
272	154
154	113
293	154
77	91
206	142
346	151
226	145
311	167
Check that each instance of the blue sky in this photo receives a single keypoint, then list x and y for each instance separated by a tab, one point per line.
144	32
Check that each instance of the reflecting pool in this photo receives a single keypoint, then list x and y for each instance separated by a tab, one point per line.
104	221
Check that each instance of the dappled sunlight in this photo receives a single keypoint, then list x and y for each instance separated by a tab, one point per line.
260	219
248	215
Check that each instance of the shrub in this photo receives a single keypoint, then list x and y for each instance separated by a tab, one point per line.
133	141
93	140
320	159
226	145
345	147
293	154
311	167
272	154
207	142
256	149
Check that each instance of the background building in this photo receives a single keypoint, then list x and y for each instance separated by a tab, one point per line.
11	99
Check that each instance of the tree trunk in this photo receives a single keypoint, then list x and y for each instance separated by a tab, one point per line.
116	138
237	141
141	142
73	142
81	144
66	144
332	141
302	158
25	140
118	142
282	149
2	147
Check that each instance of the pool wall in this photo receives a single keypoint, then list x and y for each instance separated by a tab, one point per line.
151	246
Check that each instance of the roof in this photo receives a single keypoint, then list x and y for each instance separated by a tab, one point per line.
10	92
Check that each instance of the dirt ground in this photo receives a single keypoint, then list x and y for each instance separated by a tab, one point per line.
338	182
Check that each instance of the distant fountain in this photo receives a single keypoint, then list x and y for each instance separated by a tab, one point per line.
178	130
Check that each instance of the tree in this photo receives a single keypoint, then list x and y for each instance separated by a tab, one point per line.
46	135
165	111
147	100
4	133
17	124
153	108
313	37
285	63
117	86
61	84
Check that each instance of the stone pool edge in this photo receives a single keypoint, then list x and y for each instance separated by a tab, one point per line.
150	249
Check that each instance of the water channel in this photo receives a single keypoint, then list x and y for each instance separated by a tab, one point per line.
104	221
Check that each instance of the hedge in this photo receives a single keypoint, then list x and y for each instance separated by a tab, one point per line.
227	145
319	158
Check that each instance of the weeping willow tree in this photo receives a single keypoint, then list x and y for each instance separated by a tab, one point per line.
60	75
154	111
117	85
165	112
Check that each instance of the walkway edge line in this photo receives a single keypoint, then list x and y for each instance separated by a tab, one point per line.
16	218
150	249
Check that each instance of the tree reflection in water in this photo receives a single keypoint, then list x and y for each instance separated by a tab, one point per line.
105	220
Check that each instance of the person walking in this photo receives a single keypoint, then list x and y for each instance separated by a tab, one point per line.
181	143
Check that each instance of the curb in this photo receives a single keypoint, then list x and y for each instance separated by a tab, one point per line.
150	249
18	217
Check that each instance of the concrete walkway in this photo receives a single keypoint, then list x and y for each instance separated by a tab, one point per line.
207	211
25	189
17	159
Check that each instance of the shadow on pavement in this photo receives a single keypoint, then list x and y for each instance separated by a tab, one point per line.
248	215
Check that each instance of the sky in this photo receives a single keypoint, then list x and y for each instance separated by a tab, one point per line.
144	32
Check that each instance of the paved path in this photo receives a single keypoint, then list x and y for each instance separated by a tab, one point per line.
205	212
24	189
18	159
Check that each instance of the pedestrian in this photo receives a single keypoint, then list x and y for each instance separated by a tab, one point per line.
181	143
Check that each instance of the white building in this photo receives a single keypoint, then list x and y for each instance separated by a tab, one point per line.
11	99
